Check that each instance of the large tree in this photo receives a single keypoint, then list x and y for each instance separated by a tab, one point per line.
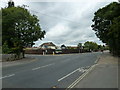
90	45
79	45
20	28
106	25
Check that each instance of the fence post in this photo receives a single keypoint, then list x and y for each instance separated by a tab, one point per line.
53	53
43	53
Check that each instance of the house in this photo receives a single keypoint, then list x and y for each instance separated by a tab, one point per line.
63	46
48	45
72	47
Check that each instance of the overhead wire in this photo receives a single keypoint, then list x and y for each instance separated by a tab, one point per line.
50	15
53	16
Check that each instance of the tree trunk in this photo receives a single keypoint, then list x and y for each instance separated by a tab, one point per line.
23	54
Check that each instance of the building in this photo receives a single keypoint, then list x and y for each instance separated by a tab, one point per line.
72	47
48	45
63	46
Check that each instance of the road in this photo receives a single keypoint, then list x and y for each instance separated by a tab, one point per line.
48	71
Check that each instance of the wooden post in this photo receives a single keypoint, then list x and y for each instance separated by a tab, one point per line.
43	53
53	53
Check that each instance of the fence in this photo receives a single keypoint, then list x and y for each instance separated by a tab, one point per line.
50	51
40	51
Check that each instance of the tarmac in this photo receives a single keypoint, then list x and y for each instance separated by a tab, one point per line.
103	75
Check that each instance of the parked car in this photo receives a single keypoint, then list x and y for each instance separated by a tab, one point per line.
58	51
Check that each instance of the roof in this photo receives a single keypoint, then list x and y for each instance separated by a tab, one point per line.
73	47
48	44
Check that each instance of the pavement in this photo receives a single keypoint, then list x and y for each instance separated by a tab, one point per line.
103	75
17	62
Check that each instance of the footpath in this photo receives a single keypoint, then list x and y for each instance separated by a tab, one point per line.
103	75
17	62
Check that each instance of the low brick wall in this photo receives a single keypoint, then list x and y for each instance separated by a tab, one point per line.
40	51
50	51
67	51
11	57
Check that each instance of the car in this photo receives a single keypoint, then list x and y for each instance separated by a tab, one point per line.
58	51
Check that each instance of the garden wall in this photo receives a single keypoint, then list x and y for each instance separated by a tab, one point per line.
11	57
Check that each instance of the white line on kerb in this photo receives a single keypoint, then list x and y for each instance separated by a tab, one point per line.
68	74
7	76
43	66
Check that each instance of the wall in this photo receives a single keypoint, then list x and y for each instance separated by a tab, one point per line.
50	51
40	51
11	57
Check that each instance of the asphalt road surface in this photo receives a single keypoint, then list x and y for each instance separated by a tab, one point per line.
48	71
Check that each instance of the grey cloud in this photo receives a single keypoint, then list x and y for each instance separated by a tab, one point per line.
67	23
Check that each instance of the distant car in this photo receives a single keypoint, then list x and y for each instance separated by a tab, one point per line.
101	50
58	51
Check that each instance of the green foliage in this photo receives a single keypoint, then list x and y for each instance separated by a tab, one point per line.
90	45
5	48
100	47
103	47
106	25
20	28
79	45
0	49
10	4
114	36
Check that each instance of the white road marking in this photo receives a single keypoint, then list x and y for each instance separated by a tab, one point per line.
7	76
43	66
87	66
98	57
82	70
79	69
68	75
80	78
95	61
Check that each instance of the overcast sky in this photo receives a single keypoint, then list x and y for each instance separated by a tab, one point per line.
67	22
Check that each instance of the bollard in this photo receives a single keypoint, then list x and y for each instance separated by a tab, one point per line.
43	53
53	53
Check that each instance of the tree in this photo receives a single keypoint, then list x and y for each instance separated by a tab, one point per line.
79	45
0	29
10	3
105	27
91	45
5	48
114	36
20	28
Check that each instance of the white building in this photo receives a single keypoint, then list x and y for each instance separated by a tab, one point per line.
48	45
